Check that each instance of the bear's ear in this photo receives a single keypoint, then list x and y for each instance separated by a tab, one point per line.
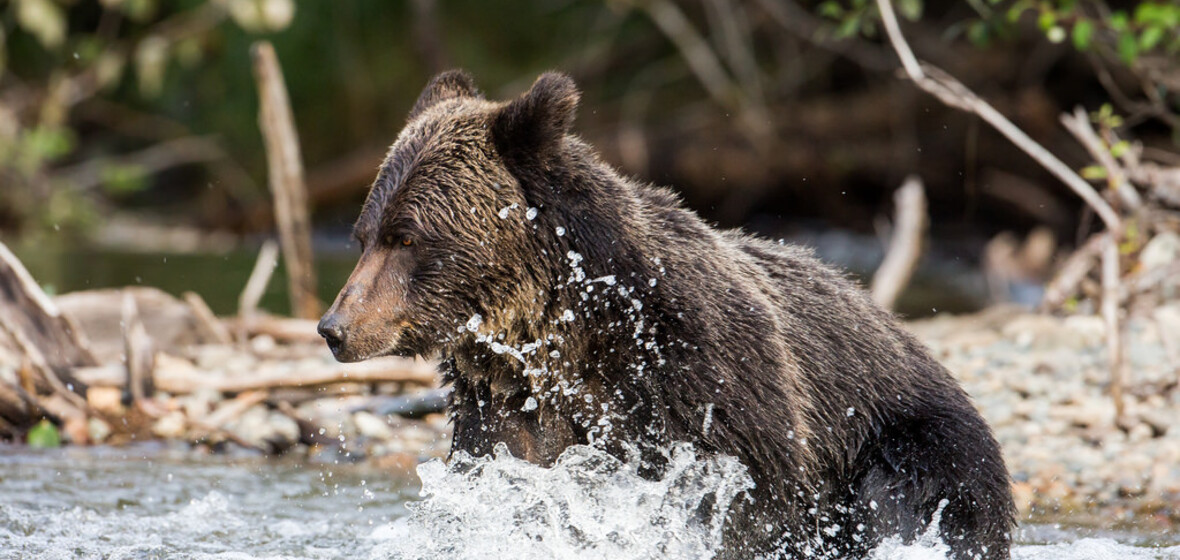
532	126
451	84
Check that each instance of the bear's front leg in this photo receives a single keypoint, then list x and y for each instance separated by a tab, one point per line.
482	418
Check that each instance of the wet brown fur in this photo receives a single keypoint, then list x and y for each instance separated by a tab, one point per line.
640	325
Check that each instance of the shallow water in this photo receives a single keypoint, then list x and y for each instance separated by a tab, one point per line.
150	502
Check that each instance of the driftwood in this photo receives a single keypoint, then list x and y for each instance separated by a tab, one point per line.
178	376
35	324
99	315
214	422
905	246
285	168
281	329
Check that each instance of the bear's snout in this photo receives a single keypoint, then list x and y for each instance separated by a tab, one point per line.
333	332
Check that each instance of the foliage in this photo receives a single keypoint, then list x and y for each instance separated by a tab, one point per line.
44	435
56	55
860	16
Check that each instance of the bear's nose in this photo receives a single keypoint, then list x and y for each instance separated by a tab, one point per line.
332	332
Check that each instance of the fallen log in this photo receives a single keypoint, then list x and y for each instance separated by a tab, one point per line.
178	376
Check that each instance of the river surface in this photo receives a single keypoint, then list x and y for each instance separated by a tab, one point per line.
152	501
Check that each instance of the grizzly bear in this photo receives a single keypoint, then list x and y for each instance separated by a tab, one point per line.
573	305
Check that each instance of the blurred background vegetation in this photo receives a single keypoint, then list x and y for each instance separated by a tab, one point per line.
130	150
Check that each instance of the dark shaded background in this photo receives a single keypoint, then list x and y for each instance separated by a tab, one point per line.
810	134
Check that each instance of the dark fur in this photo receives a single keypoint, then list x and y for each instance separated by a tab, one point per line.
736	344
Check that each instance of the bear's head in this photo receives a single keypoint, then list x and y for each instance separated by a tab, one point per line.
451	228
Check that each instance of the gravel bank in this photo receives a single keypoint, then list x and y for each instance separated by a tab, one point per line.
1042	383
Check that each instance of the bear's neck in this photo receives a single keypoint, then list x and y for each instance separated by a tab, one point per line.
596	306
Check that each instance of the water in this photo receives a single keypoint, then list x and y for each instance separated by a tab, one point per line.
155	502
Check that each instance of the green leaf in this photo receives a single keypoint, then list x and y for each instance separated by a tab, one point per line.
847	28
1047	20
1150	37
1128	48
1148	12
48	143
830	9
979	34
910	9
1018	10
1119	148
120	179
44	435
1083	33
1094	172
1118	21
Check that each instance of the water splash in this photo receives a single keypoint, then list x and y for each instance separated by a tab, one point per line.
928	546
587	505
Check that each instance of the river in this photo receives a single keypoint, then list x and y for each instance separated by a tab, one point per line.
157	501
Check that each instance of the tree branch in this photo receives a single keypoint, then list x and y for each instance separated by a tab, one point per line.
953	93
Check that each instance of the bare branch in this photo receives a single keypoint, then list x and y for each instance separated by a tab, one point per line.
905	247
151	160
287	184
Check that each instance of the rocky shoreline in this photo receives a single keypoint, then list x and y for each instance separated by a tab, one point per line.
1042	383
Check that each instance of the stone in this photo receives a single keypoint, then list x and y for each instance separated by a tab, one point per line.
108	400
1035	332
171	425
1085	331
98	430
369	425
1162	250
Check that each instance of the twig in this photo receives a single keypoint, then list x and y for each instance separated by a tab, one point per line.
905	247
953	93
709	71
264	267
803	24
285	169
734	38
207	323
908	61
1070	274
151	160
1078	124
1110	313
40	367
140	355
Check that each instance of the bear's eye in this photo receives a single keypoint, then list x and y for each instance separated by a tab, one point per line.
407	241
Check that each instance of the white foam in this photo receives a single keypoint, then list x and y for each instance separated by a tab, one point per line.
588	505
